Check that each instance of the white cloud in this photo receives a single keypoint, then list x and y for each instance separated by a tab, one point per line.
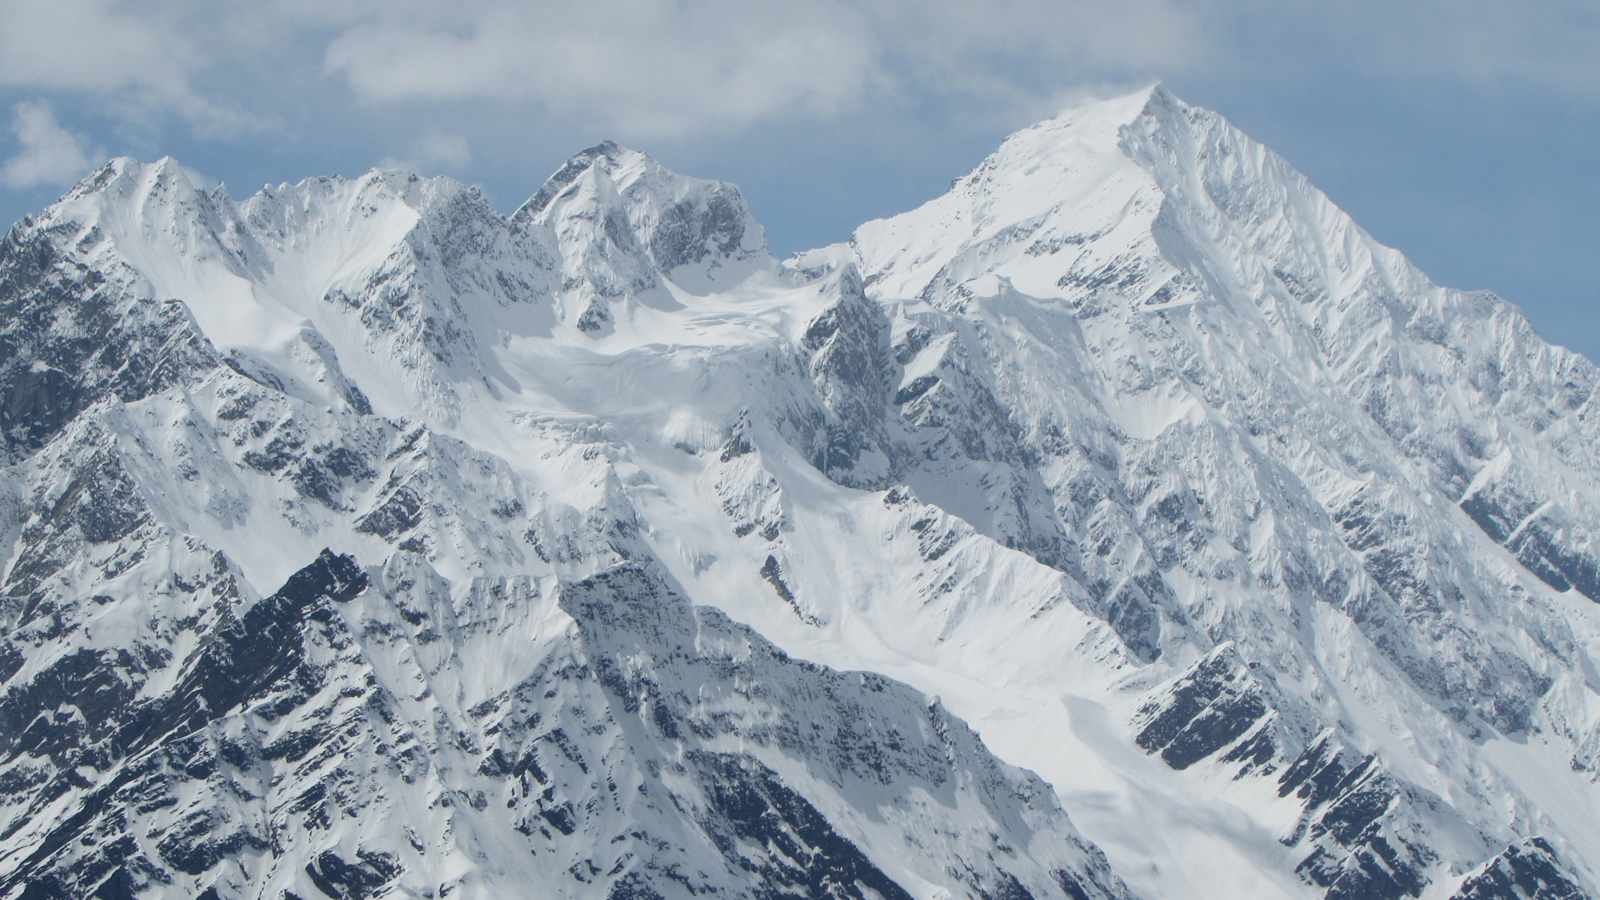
648	69
91	45
148	57
450	151
433	152
653	69
47	154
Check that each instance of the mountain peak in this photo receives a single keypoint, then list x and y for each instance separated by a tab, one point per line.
1098	122
128	175
1121	104
128	170
621	221
1125	106
607	155
1116	164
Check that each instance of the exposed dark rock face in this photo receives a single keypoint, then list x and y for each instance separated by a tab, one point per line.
69	336
691	230
1529	869
752	808
256	745
843	351
1208	709
1359	824
1350	807
148	747
862	732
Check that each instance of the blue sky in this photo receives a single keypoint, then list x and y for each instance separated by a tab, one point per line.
1466	133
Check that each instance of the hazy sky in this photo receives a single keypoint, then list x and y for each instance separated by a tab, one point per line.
1466	133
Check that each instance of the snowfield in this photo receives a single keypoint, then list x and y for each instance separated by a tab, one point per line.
1124	522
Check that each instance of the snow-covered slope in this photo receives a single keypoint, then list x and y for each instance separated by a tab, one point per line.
360	540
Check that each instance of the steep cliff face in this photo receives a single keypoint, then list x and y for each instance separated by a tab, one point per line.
327	739
1306	438
359	540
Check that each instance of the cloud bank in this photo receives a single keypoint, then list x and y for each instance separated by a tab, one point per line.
679	70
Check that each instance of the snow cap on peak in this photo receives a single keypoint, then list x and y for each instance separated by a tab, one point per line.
1060	181
1152	99
1101	119
607	153
400	179
164	194
611	194
397	195
126	172
166	168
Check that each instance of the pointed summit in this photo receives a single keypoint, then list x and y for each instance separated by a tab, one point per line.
1100	119
124	178
676	219
626	226
1121	107
1042	207
607	151
149	213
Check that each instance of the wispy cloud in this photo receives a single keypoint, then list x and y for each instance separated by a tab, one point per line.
657	69
435	151
47	154
150	56
665	69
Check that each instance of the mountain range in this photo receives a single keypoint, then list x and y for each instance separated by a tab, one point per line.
1125	522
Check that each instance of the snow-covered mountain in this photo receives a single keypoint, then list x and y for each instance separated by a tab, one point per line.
1124	522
